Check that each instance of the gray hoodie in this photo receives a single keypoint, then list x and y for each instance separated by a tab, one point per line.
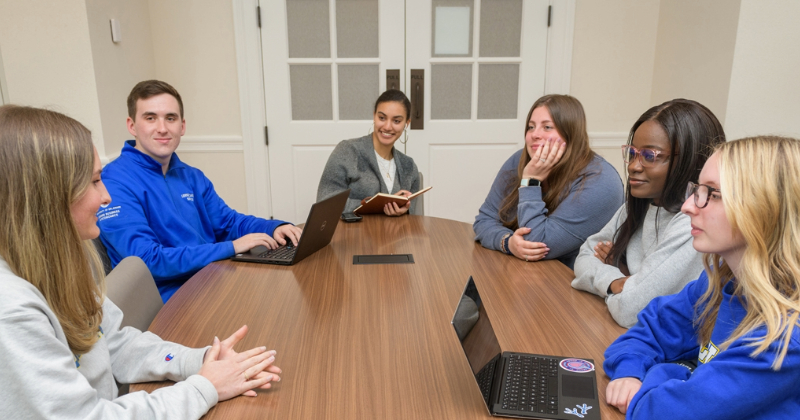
660	258
43	379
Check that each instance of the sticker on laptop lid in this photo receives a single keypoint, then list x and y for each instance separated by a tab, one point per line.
577	365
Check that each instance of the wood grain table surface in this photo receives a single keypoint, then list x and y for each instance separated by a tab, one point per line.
375	341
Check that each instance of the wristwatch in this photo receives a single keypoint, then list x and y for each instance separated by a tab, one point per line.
530	182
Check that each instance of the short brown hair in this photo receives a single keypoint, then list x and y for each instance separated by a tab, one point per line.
148	89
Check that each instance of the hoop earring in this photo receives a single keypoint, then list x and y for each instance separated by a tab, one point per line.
405	139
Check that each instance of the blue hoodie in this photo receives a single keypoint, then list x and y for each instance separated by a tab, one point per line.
727	384
176	222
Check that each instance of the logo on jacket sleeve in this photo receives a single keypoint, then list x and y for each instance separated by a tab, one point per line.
169	357
188	196
708	352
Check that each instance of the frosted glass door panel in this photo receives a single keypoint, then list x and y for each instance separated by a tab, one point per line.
311	92
357	28
358	89
501	28
308	23
498	88
451	91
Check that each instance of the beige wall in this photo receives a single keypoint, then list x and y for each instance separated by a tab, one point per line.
612	60
118	67
47	57
195	52
227	169
764	93
694	52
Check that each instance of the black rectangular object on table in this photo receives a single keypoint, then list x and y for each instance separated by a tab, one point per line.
383	259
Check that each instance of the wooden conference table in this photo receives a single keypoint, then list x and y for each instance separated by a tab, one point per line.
375	341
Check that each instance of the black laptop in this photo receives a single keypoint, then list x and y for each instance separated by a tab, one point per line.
521	384
317	233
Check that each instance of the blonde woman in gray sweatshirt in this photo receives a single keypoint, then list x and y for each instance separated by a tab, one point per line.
61	345
646	251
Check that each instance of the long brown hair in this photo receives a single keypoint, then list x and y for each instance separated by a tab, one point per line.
570	122
47	162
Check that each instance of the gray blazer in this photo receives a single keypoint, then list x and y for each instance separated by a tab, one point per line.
353	165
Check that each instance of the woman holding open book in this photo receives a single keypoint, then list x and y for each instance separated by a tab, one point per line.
554	193
370	165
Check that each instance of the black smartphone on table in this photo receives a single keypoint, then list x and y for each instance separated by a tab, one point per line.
351	217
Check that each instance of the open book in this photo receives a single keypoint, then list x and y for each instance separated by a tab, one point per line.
374	204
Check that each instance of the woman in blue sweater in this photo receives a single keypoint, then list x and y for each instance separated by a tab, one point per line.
552	194
739	320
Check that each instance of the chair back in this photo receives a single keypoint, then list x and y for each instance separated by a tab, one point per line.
131	287
420	209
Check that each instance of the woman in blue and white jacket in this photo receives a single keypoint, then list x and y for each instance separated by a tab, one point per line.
739	320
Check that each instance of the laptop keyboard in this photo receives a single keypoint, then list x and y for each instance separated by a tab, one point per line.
531	384
285	252
485	377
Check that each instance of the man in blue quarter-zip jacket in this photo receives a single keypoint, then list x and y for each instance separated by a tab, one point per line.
165	211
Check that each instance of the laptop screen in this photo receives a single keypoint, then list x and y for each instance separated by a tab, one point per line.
476	334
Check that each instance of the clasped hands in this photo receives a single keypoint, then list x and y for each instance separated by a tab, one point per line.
233	373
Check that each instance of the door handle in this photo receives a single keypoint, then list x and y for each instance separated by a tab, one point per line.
393	79
417	99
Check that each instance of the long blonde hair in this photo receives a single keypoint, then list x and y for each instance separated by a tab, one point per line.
762	203
570	122
47	162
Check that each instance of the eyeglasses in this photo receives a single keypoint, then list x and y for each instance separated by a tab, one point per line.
647	157
701	193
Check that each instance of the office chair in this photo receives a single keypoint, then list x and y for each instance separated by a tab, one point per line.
421	199
131	287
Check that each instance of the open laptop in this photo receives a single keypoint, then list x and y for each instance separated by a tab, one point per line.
521	384
317	233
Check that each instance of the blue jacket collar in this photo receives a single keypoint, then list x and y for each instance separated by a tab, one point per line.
145	161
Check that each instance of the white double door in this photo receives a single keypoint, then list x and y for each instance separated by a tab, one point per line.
472	69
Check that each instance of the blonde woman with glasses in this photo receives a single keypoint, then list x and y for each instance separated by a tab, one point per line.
61	345
737	323
645	250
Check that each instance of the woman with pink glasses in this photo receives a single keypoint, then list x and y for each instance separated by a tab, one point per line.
646	250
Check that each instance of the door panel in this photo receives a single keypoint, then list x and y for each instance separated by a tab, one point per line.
325	63
483	65
483	75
